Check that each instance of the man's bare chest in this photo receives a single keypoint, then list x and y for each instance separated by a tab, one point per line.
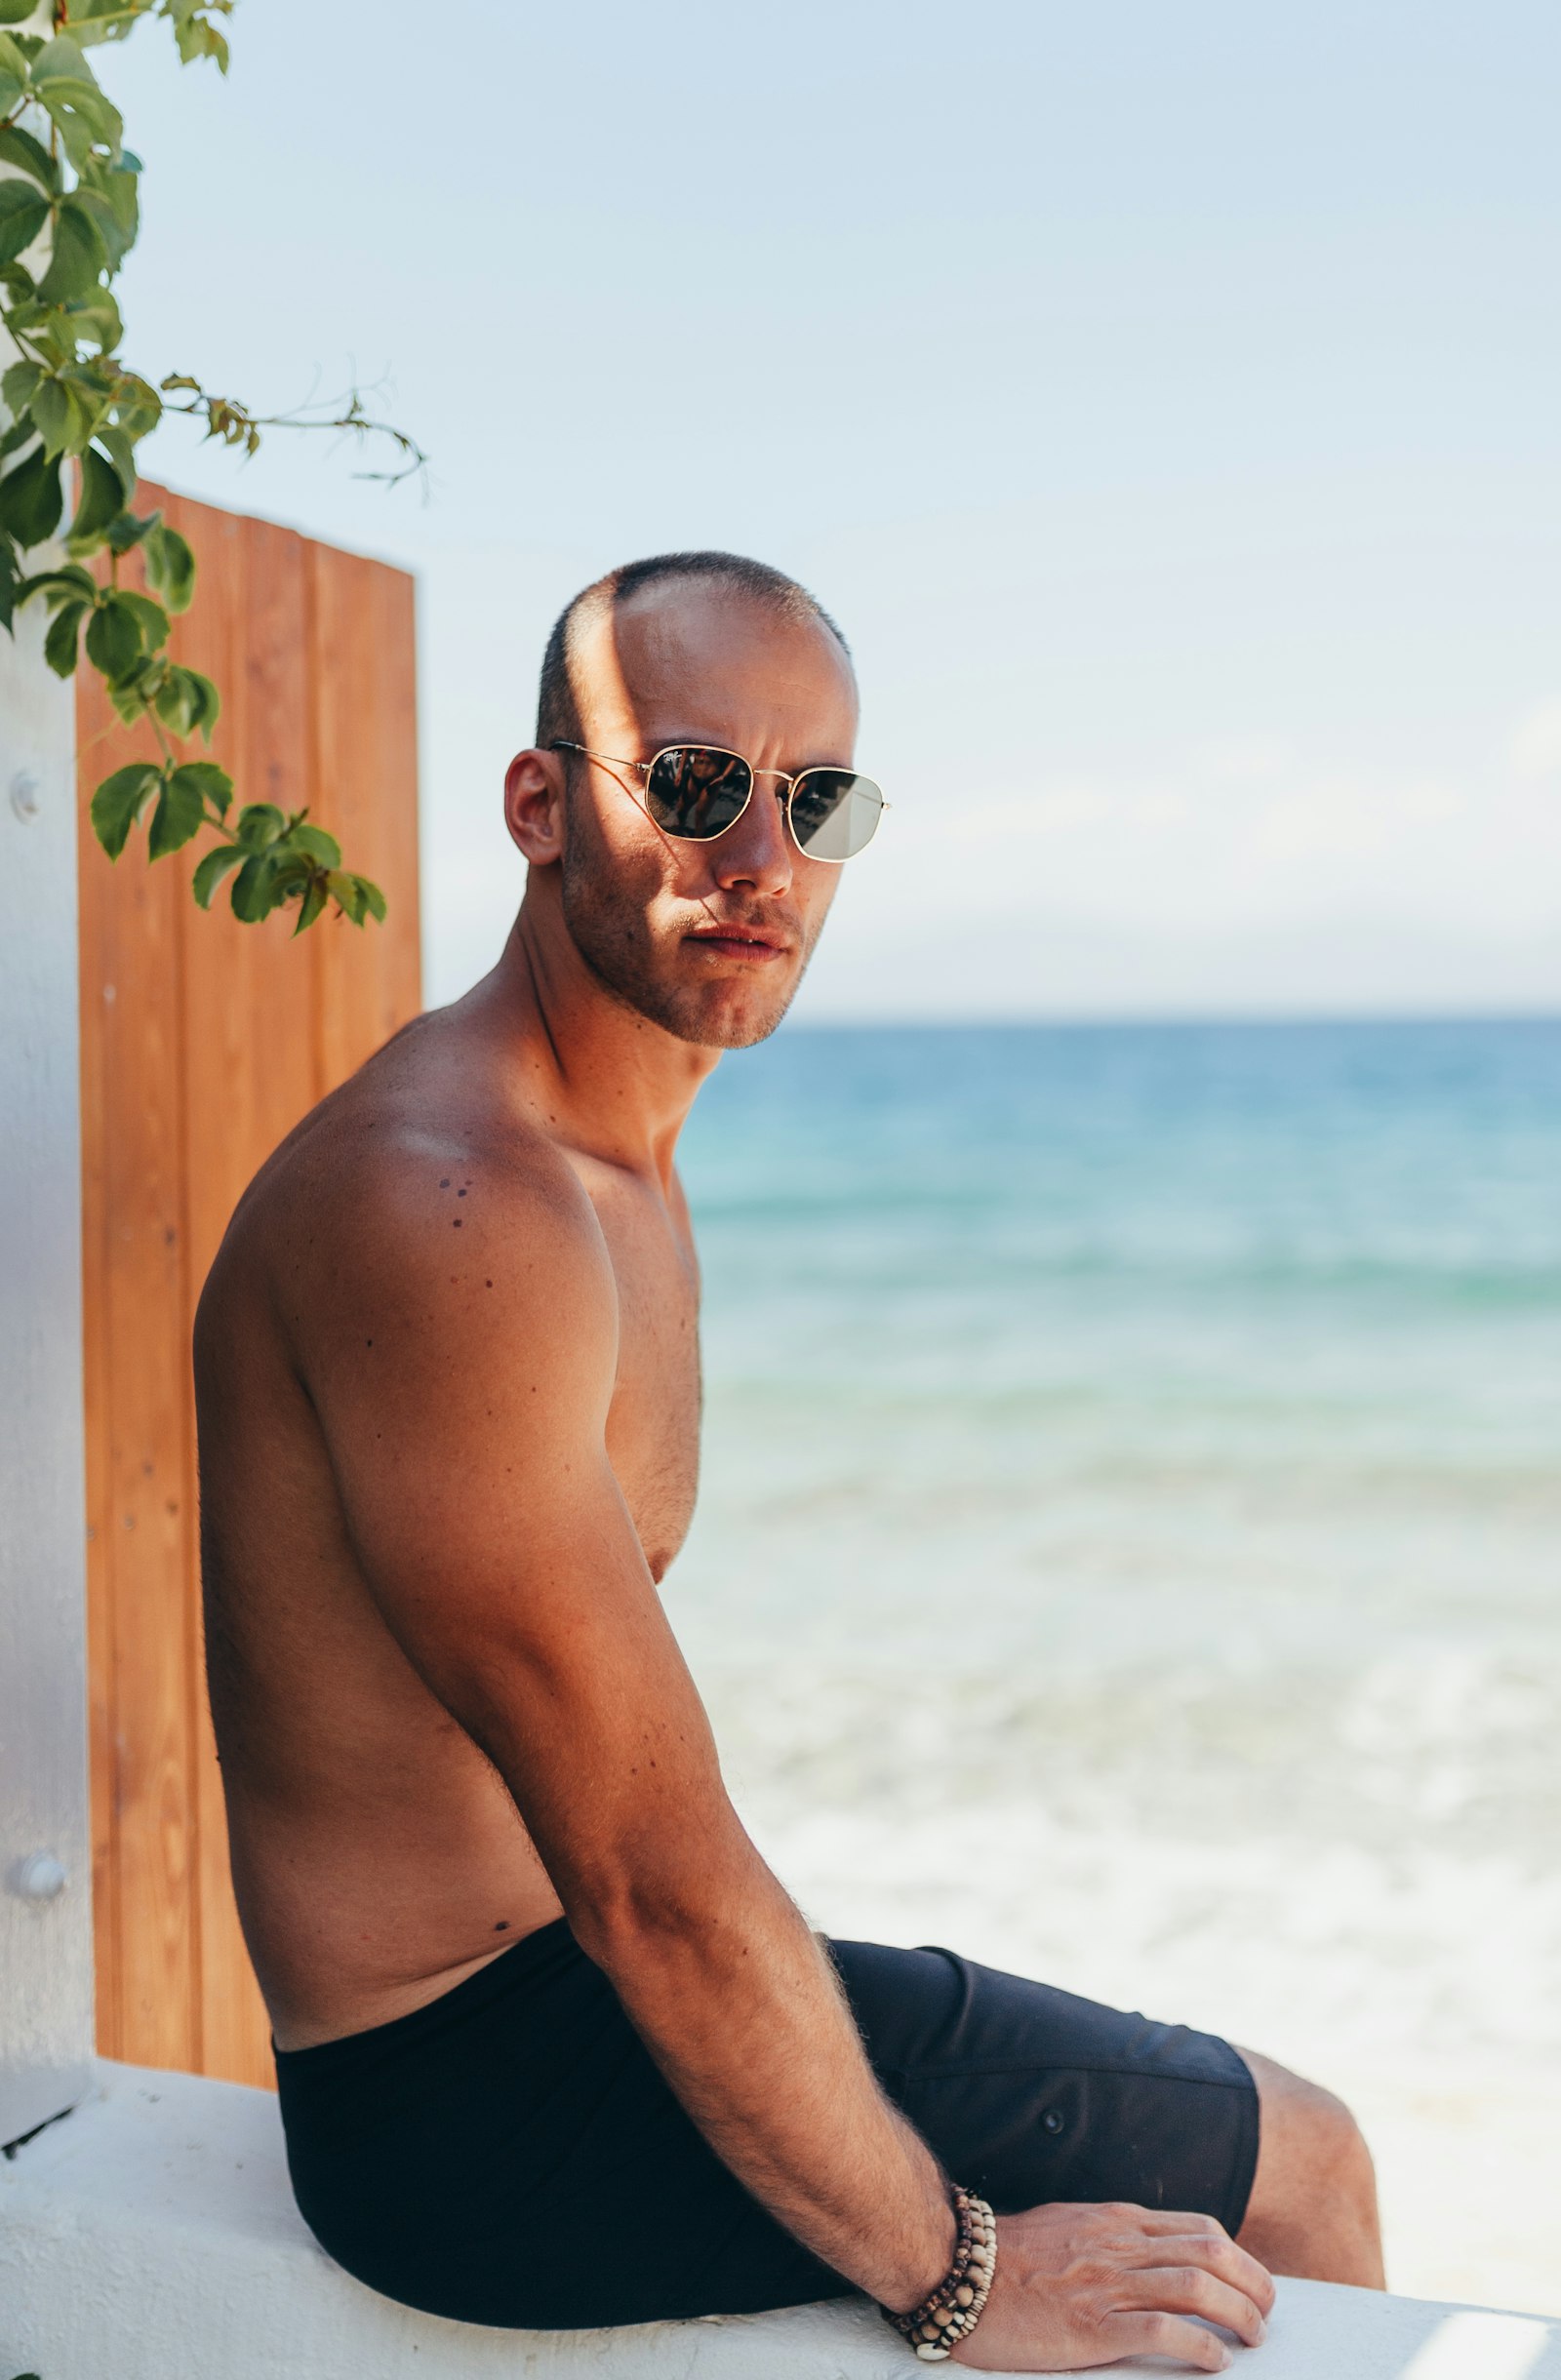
653	1427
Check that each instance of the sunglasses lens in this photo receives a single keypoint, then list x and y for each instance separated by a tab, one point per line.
696	793
834	812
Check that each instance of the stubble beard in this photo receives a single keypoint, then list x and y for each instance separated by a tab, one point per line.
610	933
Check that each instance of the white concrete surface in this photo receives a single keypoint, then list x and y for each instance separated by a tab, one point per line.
151	2235
44	1909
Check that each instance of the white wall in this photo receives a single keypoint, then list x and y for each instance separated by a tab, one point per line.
46	2005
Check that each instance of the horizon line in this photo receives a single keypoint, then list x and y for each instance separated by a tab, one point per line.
1095	1020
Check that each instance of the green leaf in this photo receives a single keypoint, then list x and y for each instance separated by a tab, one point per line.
180	813
258	824
101	499
113	638
254	889
13	74
152	617
19	384
118	803
138	404
52	412
212	868
195	35
209	708
349	891
84	120
23	212
68	88
171	567
19	147
60	645
32	500
212	784
314	899
68	584
374	899
95	318
113	195
121	453
17	12
131	694
318	844
129	530
60	62
7	582
79	256
179	701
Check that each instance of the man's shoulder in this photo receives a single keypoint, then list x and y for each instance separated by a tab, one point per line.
395	1180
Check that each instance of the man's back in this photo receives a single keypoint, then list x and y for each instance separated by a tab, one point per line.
377	1853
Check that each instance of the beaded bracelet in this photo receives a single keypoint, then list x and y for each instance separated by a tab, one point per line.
954	2308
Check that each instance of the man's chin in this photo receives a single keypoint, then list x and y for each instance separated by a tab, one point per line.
729	1017
718	1011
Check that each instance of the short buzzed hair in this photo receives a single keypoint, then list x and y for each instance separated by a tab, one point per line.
558	718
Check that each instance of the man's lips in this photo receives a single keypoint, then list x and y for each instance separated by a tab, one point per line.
757	944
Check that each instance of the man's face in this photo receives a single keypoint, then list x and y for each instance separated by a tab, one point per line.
708	940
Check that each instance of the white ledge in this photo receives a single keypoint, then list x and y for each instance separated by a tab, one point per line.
151	2235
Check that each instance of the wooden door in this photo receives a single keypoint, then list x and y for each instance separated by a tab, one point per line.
203	1041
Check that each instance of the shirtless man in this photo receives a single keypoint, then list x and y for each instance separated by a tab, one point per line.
554	2047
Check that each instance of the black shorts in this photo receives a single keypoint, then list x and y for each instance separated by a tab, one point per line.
511	2154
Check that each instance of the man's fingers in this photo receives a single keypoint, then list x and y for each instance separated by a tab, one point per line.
1189	2288
1168	2219
1165	2334
1200	2240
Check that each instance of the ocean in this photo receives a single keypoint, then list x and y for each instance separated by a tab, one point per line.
1128	1545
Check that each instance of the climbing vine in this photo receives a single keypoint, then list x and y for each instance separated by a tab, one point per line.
72	418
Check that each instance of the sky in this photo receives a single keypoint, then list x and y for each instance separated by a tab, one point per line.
1166	401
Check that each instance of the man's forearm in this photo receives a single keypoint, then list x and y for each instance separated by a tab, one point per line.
743	2012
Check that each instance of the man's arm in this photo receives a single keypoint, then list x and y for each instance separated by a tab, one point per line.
463	1381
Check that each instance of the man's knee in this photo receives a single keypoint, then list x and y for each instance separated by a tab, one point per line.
1313	2212
1310	2143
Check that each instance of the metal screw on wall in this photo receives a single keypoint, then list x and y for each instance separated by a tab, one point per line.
38	1878
25	796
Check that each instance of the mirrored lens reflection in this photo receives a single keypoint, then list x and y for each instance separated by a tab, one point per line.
696	792
834	812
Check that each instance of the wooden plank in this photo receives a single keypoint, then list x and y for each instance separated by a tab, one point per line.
204	1041
139	1463
365	736
97	992
252	1043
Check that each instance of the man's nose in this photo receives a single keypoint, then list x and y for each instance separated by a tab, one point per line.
755	851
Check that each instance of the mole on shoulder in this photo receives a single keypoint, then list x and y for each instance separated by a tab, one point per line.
502	1926
444	1184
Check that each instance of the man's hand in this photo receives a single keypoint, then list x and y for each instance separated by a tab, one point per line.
1082	2285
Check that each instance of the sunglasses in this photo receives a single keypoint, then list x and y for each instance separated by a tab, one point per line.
694	792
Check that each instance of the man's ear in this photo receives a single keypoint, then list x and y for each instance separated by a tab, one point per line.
534	804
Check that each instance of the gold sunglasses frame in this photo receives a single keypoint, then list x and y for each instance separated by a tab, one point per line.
609	760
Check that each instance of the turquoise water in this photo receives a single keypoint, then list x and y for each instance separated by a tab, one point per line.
1129	1531
1216	1340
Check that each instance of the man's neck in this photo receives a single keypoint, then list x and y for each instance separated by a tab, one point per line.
610	1081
